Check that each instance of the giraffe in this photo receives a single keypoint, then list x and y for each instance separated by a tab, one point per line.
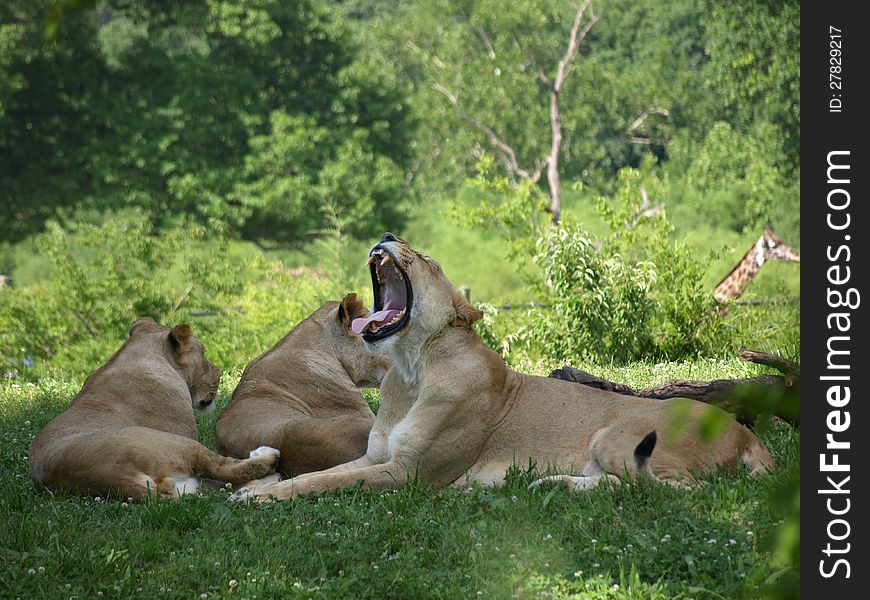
768	247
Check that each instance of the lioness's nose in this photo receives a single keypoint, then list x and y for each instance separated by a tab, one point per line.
389	237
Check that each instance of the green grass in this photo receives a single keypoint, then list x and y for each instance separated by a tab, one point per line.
639	540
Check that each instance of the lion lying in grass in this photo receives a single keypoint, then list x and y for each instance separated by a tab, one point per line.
452	412
302	395
131	430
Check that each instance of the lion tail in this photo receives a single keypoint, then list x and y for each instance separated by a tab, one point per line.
642	453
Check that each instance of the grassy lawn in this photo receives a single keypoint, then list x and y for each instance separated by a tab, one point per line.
640	540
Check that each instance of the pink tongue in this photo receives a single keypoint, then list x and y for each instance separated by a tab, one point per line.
379	318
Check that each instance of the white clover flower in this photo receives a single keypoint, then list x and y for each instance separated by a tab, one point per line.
233	583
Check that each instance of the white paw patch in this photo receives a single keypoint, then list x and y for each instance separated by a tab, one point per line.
240	495
264	451
185	484
148	483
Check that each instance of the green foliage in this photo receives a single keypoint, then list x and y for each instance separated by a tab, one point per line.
601	303
514	211
105	277
636	293
754	66
253	115
735	175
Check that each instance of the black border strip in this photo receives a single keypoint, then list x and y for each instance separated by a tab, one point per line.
825	130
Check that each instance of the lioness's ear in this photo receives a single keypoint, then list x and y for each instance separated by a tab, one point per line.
351	308
140	324
181	338
466	314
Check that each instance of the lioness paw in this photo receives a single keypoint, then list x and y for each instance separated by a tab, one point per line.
266	451
241	495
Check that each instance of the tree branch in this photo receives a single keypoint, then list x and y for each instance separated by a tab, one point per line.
481	33
575	38
747	398
506	150
643	117
645	211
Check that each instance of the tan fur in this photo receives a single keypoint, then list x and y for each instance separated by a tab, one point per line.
302	395
452	412
131	429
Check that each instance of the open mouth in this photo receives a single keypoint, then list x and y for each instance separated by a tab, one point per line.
392	298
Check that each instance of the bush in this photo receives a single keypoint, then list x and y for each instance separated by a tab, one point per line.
601	304
104	277
634	294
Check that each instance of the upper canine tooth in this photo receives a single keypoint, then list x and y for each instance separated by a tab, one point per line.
371	260
387	259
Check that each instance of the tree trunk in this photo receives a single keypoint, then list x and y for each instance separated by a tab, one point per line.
747	398
553	179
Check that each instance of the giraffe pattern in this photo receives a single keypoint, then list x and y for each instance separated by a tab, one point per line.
768	247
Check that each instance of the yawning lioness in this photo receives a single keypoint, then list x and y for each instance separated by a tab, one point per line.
452	412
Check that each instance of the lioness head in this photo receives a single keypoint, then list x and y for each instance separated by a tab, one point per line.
410	293
188	355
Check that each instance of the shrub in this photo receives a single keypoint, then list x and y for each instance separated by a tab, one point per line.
635	293
600	303
104	277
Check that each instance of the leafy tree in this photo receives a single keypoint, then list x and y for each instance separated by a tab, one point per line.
50	97
637	79
754	66
174	108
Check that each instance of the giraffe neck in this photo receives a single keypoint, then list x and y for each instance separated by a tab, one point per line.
732	285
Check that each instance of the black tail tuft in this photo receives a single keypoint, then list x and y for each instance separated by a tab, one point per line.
645	449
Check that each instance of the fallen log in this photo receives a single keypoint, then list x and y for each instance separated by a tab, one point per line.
747	398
